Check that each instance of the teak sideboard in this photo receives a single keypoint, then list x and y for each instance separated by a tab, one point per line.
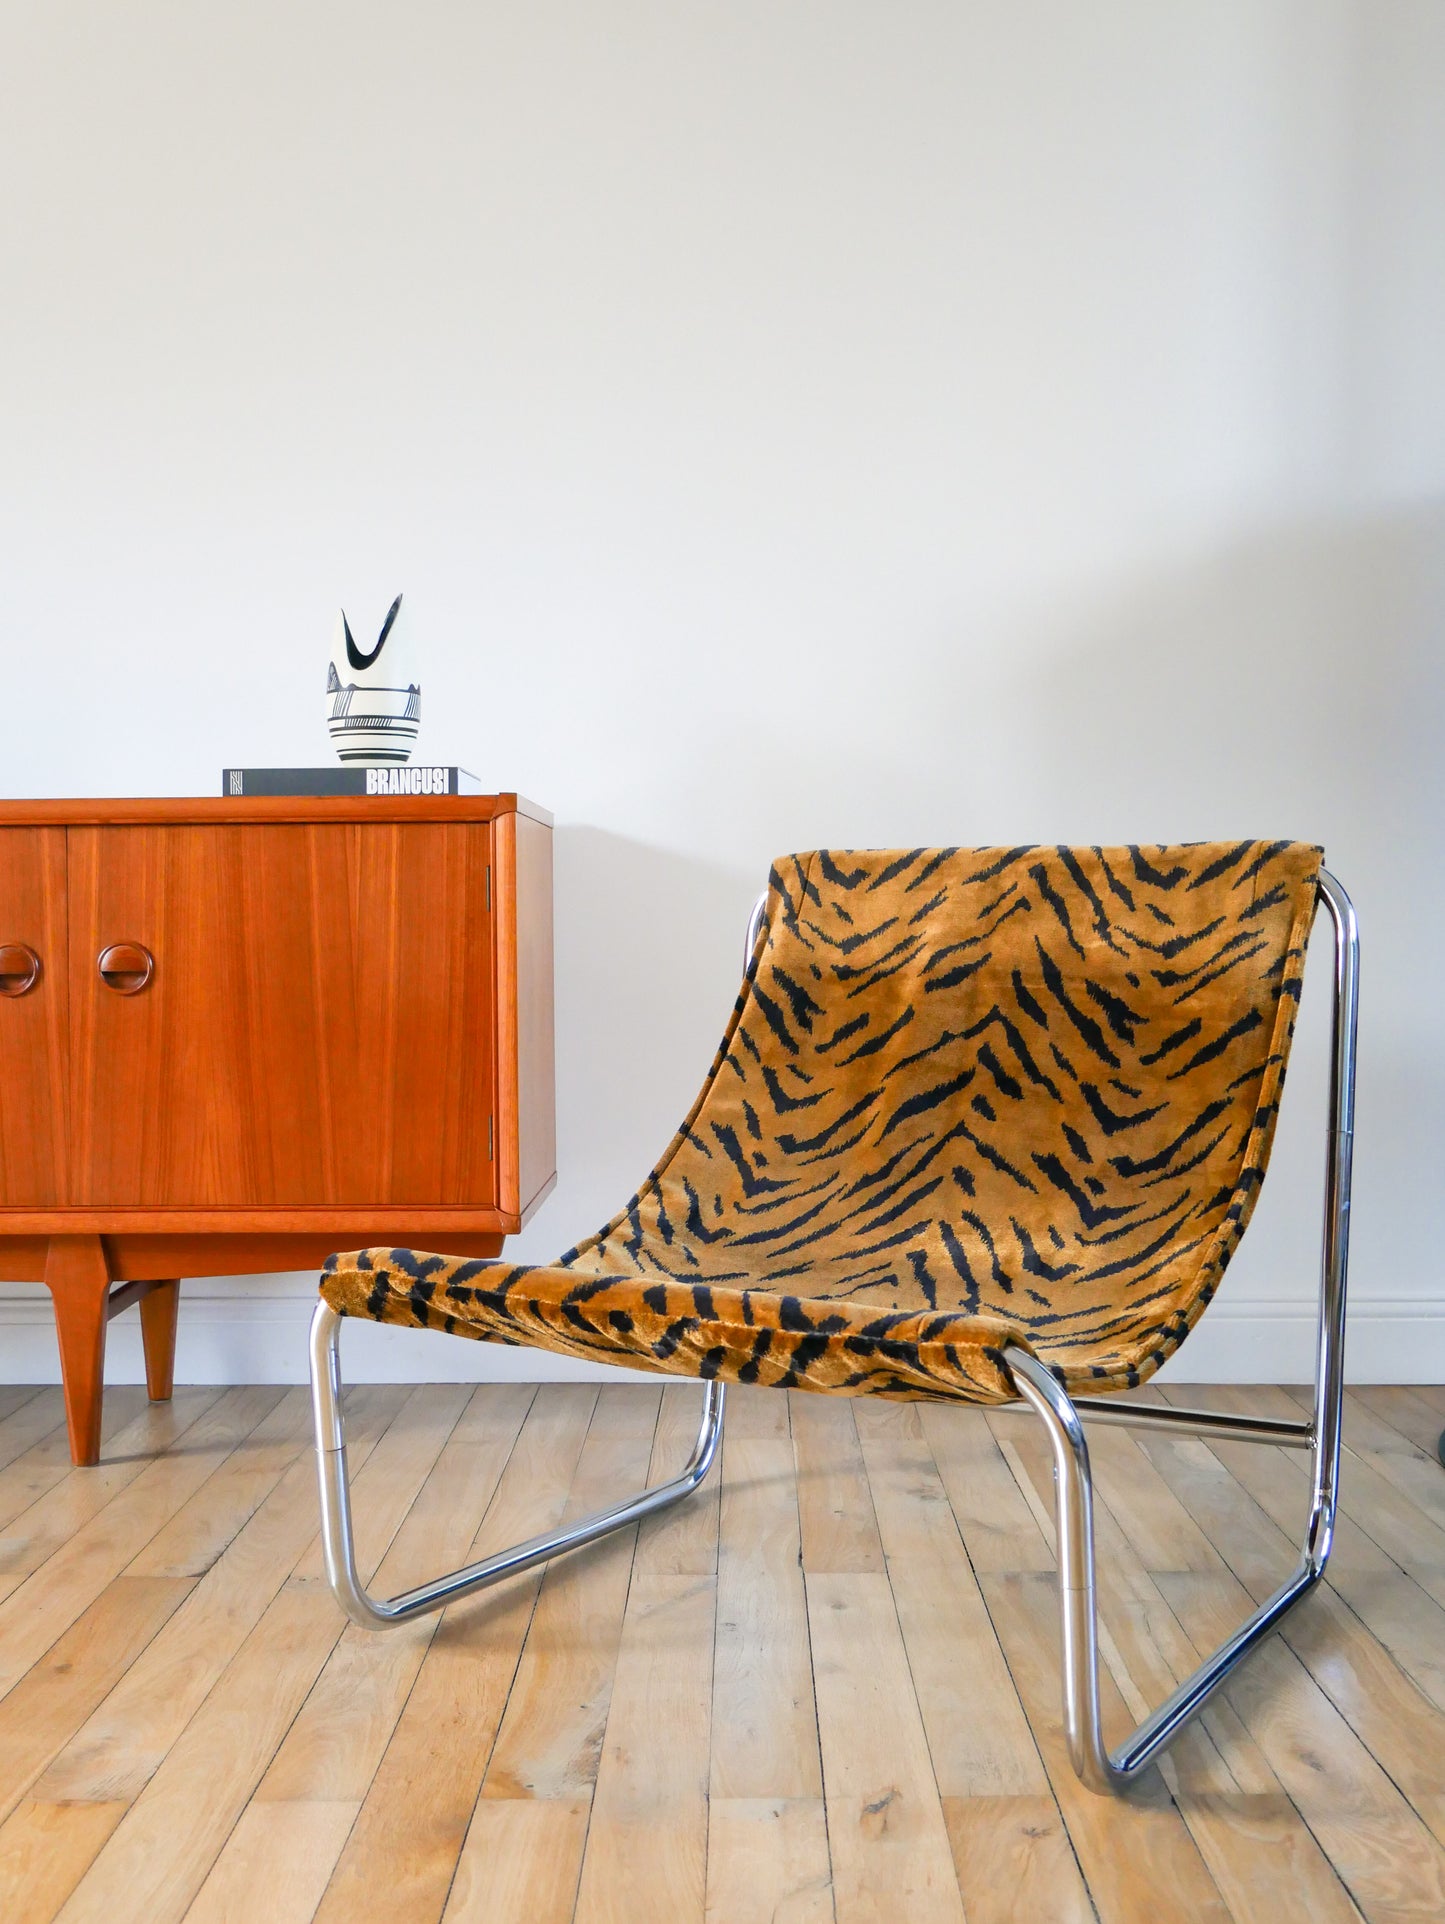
236	1035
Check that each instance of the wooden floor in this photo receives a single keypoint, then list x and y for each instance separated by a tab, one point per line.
832	1694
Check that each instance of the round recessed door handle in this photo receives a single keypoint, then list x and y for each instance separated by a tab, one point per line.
19	968
126	967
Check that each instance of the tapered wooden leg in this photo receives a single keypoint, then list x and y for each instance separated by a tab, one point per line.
158	1309
78	1278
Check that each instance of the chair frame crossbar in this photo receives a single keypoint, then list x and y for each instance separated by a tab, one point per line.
1062	1416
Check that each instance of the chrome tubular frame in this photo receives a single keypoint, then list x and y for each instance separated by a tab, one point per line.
337	1538
1061	1415
755	922
337	1542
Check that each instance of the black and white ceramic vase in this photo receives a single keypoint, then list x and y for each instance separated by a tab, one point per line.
373	701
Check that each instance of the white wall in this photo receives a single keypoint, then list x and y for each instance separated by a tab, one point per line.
790	423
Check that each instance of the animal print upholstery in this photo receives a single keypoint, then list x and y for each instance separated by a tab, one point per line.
967	1098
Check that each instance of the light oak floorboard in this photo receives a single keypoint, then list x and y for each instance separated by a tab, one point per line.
332	1751
1390	1864
274	1865
835	1506
1129	1853
14	1395
759	1416
767	1861
889	1842
40	1610
29	1473
1396	1723
1396	1596
1417	1485
164	1847
97	1654
1014	1861
978	1736
402	1853
44	1852
27	1421
828	1694
133	1725
1409	1413
520	1862
202	1528
765	1726
71	1498
646	1852
551	1735
999	1527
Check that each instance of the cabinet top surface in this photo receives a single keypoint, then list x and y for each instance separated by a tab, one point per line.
105	812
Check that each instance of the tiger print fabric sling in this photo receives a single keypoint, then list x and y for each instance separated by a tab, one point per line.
968	1097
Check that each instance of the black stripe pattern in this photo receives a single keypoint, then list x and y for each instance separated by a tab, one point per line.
967	1097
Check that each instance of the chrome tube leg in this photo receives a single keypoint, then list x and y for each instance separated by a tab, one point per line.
1099	1768
1334	1266
337	1540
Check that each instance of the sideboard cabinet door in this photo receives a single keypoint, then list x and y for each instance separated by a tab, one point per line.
281	1015
32	1018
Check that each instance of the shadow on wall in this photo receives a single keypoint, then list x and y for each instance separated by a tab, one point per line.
1288	684
649	961
1293	685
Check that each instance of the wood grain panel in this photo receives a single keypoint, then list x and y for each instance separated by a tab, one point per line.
527	1151
33	1026
318	1029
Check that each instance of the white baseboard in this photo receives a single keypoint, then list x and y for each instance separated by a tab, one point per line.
255	1332
1387	1340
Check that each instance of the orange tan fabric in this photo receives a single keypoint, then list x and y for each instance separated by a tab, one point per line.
968	1097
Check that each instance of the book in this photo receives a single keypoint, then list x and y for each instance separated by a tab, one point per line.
395	780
